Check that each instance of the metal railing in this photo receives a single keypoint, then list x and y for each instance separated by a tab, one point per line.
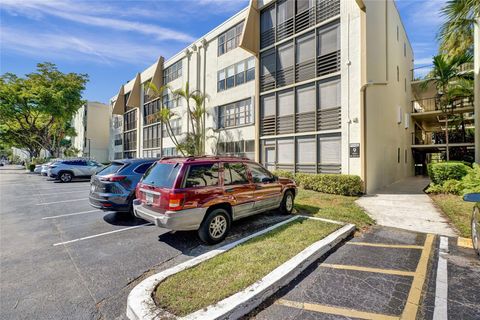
433	104
438	137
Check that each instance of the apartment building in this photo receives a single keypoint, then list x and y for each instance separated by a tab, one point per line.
91	123
319	86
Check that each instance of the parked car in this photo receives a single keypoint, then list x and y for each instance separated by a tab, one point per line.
45	166
38	169
67	170
475	221
208	193
113	188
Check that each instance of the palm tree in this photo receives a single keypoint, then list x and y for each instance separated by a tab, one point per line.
165	115
456	33
445	75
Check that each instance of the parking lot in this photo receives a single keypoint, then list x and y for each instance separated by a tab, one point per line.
63	259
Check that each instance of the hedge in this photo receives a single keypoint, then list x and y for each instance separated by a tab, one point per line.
342	184
470	183
443	171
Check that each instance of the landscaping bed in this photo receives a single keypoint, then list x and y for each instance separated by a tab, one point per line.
458	211
230	272
331	206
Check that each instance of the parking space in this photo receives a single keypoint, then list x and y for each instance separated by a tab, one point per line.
63	259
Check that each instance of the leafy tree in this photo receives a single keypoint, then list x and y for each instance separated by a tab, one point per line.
456	33
34	110
448	77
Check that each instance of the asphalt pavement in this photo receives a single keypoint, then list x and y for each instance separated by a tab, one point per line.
62	259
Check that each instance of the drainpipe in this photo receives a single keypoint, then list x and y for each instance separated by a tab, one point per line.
363	130
204	44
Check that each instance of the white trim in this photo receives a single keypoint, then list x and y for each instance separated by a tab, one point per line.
70	214
441	287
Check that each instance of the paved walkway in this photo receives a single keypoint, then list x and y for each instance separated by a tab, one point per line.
404	205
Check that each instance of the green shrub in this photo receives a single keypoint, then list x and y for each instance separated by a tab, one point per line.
450	186
342	184
443	171
471	182
31	167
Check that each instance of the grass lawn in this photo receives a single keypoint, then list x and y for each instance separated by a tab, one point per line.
330	206
230	272
458	211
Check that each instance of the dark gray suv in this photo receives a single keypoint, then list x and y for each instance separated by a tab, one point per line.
113	188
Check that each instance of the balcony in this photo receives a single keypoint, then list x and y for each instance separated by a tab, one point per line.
462	104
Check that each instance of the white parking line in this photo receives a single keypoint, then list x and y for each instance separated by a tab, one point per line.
39	204
441	289
70	214
53	194
103	234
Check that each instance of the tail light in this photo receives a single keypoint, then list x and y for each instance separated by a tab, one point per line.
176	201
112	178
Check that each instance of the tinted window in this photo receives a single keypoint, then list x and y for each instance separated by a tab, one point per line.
142	168
202	175
259	173
161	174
234	173
112	168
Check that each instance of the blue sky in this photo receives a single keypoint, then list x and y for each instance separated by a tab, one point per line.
113	40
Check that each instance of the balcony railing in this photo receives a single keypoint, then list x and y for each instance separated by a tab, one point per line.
438	137
433	104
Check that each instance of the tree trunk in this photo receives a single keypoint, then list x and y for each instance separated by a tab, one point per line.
446	138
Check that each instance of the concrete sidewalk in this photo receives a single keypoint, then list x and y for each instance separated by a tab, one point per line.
404	205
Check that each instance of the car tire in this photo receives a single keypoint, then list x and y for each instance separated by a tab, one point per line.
215	226
65	176
475	225
286	207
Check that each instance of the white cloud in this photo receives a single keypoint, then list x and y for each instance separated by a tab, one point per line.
89	14
99	50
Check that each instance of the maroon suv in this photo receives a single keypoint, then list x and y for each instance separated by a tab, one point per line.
208	193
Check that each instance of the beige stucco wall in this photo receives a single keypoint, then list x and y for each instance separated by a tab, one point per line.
388	125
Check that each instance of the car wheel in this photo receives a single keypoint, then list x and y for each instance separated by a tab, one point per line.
215	226
476	230
286	207
66	177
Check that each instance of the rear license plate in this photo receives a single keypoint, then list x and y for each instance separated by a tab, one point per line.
149	198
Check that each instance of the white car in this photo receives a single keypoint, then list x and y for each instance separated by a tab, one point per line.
38	169
45	167
67	170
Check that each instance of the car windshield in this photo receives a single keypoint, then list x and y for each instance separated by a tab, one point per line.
114	167
161	174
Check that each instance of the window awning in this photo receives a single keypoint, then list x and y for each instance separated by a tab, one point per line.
120	102
134	97
250	39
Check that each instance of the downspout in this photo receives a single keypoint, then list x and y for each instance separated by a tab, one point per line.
188	53
205	44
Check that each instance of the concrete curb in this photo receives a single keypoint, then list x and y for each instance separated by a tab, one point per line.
140	304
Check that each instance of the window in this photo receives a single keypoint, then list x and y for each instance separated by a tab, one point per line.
234	173
284	57
230	82
398	155
398	73
306	150
328	40
169	101
250	69
305	55
202	175
284	149
118	155
267	26
151	136
267	71
303	5
306	99
130	140
240	73
237	148
141	169
149	112
405	84
173	72
259	174
118	139
329	94
168	152
284	11
175	125
268	105
162	174
330	149
235	114
286	103
130	120
236	75
221	80
230	39
404	49
397	33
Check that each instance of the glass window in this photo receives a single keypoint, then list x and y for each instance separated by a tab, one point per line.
268	105
285	151
329	94
230	39
285	56
235	114
221	80
267	19
161	174
306	99
328	40
267	63
330	149
250	69
202	175
234	173
306	150
306	48
284	11
285	103
303	5
240	75
173	72
259	173
141	169
230	77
